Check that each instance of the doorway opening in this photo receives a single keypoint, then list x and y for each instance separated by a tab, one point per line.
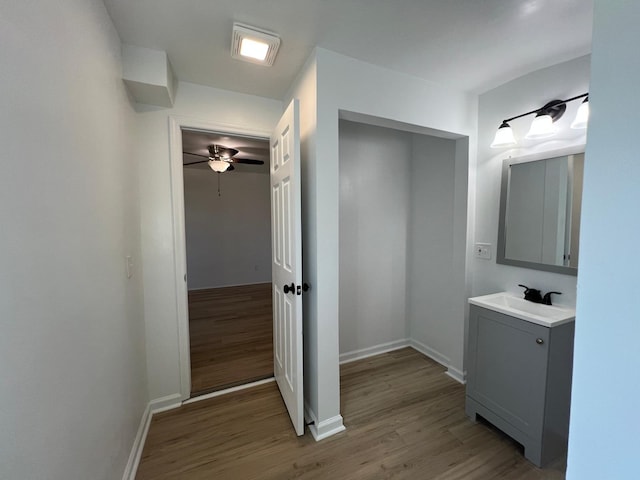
227	225
402	240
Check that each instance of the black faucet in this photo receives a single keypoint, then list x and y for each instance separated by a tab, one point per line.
547	297
532	294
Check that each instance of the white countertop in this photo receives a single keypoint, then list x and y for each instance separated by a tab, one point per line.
510	304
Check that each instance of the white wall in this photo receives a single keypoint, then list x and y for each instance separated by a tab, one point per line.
203	104
400	265
518	96
432	291
228	236
603	437
374	222
72	367
345	84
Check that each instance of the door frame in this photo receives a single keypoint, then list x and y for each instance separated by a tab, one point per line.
176	125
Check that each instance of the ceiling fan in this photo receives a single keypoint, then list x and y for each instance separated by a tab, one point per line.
220	159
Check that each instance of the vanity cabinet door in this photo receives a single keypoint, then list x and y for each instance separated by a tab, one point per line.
508	368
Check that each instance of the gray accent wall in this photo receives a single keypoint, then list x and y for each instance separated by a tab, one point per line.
228	236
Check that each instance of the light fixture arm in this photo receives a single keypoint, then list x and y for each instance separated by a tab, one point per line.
538	110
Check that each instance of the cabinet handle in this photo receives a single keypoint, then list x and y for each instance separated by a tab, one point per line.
539	341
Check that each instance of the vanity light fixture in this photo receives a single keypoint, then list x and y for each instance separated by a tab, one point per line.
542	125
504	136
582	117
254	45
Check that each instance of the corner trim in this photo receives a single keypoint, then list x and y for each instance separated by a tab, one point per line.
163	404
138	445
324	429
456	374
375	350
431	353
452	372
327	428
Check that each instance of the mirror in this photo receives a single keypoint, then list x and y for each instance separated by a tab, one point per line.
540	206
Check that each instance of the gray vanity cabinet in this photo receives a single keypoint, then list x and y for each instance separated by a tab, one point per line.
519	379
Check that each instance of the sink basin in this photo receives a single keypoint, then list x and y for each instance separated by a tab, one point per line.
509	304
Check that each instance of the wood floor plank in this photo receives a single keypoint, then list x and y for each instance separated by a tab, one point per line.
231	336
404	417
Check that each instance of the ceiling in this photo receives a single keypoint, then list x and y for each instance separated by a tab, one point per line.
198	142
472	45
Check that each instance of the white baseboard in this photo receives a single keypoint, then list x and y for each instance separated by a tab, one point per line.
375	350
324	429
443	360
163	404
431	353
138	444
327	428
456	374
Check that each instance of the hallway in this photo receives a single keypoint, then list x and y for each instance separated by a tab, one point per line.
404	417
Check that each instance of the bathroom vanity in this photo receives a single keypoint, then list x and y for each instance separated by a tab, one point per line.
519	371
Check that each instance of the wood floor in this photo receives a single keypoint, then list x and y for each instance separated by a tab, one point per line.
231	336
404	417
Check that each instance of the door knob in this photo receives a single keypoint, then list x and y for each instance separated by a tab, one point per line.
289	288
539	341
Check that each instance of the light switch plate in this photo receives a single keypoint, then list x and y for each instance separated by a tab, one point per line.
482	250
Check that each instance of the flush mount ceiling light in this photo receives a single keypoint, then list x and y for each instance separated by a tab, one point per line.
254	45
542	126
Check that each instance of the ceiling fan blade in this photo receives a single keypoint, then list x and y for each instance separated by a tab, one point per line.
195	155
248	161
194	163
231	167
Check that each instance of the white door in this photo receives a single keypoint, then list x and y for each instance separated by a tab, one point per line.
287	262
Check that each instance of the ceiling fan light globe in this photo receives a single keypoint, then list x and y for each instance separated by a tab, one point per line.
219	165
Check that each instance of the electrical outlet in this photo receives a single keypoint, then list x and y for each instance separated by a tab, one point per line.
482	250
